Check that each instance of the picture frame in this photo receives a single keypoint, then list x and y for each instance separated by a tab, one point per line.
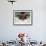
22	17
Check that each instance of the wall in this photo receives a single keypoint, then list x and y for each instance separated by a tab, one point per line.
37	31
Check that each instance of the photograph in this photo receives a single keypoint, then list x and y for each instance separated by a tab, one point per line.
22	17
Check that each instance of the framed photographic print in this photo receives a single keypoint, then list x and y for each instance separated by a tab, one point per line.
22	17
